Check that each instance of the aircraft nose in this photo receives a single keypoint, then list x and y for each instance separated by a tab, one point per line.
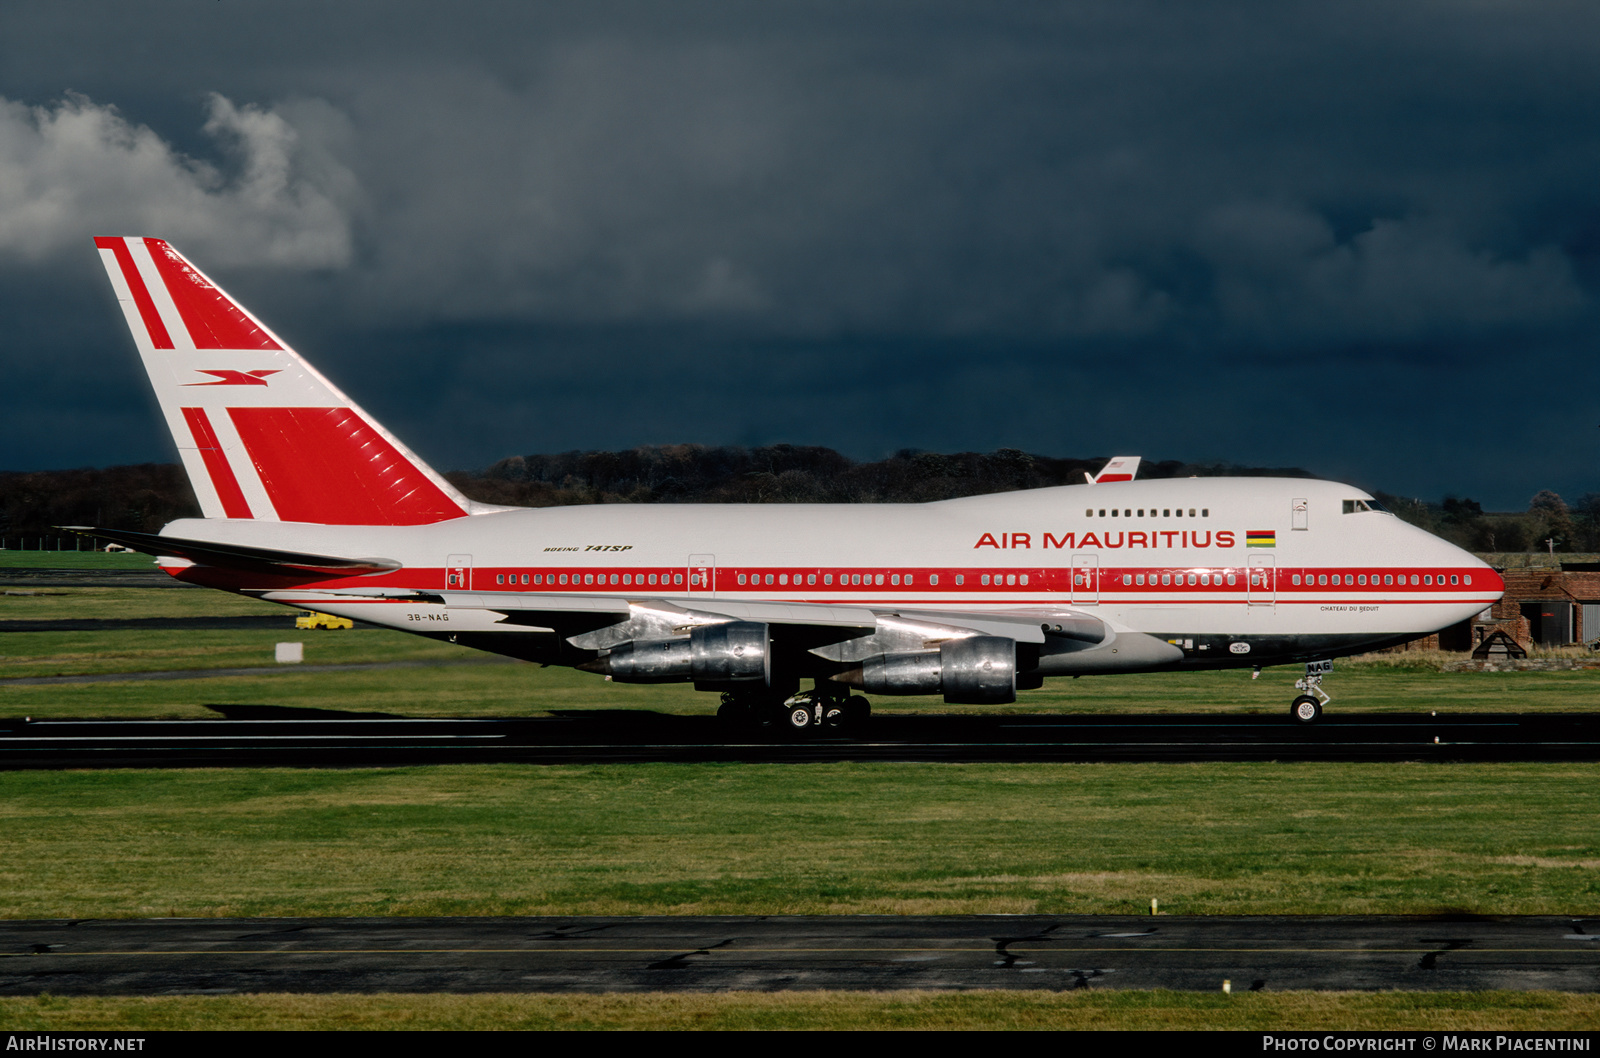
1482	573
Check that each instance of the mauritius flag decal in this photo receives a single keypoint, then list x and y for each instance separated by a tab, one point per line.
1261	538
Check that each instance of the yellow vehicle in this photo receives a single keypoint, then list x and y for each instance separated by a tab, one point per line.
312	619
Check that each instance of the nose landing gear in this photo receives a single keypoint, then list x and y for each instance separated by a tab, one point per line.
1307	709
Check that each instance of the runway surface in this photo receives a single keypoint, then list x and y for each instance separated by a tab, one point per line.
591	954
276	735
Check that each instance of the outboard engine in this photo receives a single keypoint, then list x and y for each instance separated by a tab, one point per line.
735	652
978	670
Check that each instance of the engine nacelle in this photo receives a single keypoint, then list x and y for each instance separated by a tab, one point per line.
979	670
734	652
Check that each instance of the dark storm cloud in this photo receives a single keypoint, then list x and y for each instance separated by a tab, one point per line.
1266	233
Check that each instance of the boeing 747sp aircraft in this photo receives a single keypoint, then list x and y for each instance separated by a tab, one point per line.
309	502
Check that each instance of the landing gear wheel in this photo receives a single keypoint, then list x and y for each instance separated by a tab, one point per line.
834	715
1306	709
799	718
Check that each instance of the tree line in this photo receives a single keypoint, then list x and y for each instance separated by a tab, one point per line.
143	498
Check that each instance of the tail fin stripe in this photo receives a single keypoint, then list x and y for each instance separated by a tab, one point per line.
213	321
141	294
216	460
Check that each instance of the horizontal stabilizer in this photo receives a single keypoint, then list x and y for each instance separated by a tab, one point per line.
234	556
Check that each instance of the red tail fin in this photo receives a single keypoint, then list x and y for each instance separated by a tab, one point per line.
262	434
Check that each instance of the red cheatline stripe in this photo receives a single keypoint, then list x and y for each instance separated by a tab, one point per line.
222	479
213	321
141	294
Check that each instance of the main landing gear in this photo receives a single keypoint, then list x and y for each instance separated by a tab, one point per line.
814	713
1307	708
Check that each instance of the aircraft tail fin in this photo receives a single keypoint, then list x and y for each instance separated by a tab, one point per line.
1119	468
262	433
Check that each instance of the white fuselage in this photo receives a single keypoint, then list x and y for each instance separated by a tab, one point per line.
1223	557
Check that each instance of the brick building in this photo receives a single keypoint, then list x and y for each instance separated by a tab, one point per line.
1550	600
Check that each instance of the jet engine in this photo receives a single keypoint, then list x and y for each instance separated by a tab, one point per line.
977	670
731	652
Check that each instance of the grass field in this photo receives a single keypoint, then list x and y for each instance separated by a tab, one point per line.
10	558
1299	1011
769	839
520	689
1380	683
1254	838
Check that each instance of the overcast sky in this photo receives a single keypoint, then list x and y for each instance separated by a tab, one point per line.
1359	238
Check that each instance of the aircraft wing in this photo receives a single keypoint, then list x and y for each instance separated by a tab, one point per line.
1078	640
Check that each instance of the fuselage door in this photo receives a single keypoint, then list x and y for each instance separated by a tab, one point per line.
1086	579
703	574
458	573
1301	512
1261	586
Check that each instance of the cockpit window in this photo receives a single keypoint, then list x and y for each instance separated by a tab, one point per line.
1357	506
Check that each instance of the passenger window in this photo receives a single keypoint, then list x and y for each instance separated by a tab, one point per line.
1296	579
1322	578
934	579
827	578
1230	580
986	578
1205	512
741	578
1452	578
677	578
1166	578
960	578
652	578
1166	513
1011	578
1467	579
499	578
811	578
911	578
894	579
